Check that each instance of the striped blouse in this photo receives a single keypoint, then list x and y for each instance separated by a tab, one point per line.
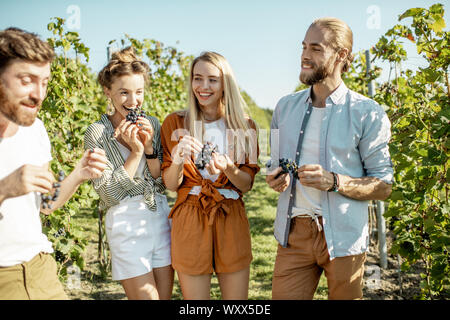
115	184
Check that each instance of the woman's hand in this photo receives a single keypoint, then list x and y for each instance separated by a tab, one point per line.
129	133
187	147
218	163
145	134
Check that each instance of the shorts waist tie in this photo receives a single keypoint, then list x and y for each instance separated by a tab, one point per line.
313	213
211	201
218	207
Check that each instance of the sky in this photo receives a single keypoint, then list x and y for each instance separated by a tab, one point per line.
260	39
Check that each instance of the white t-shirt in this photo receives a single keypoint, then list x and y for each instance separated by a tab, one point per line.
21	236
126	153
307	199
215	132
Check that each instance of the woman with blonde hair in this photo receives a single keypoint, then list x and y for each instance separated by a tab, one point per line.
210	229
130	189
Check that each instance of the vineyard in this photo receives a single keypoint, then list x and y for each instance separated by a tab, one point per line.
417	103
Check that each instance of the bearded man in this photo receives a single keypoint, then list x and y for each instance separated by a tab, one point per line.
339	140
27	271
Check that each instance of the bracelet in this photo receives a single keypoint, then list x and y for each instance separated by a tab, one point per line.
154	155
335	187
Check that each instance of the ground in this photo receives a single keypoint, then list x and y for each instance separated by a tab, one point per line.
93	283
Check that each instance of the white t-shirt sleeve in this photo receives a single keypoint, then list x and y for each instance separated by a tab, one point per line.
45	145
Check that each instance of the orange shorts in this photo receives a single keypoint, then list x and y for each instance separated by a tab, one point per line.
204	242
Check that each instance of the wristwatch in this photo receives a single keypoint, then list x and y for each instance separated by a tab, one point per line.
154	155
335	187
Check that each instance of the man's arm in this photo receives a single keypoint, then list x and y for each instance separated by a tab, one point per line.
364	188
28	178
90	166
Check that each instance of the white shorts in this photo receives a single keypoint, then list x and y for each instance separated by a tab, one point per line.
139	239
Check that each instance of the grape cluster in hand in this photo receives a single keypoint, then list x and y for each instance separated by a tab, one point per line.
205	155
48	198
288	165
133	115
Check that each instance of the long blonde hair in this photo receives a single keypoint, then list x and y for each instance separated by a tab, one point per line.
232	106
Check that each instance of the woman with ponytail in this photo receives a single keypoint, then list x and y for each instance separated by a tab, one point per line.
130	189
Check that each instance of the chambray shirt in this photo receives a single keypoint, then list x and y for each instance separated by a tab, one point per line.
354	140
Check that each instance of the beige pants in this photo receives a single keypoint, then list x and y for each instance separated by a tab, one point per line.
299	266
32	280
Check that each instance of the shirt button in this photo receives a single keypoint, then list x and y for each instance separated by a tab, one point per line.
301	132
298	153
291	195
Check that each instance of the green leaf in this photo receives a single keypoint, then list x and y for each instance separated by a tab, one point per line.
439	24
411	13
396	196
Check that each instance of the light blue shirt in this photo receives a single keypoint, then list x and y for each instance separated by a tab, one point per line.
354	138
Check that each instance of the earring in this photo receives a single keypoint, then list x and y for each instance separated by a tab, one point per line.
110	110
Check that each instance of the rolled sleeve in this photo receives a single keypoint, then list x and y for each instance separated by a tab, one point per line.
374	145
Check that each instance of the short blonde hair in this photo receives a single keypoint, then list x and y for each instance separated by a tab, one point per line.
339	36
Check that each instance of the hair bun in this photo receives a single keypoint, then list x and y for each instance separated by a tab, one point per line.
126	55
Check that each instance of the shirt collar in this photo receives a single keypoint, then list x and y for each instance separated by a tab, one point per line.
308	98
108	125
336	97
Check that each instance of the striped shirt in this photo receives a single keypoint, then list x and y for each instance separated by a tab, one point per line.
115	184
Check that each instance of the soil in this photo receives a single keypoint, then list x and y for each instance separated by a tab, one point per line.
380	284
389	283
95	283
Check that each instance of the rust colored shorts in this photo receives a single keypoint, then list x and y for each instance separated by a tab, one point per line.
204	242
299	266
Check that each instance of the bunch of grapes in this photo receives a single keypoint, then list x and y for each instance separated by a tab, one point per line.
133	115
48	198
205	155
287	165
59	256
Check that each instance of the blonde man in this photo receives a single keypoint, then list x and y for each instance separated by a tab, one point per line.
339	139
27	271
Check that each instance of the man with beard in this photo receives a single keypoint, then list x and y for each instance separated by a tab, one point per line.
339	140
27	271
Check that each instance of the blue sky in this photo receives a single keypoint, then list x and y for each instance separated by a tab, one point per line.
261	39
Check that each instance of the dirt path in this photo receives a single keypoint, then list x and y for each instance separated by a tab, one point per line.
389	283
381	284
